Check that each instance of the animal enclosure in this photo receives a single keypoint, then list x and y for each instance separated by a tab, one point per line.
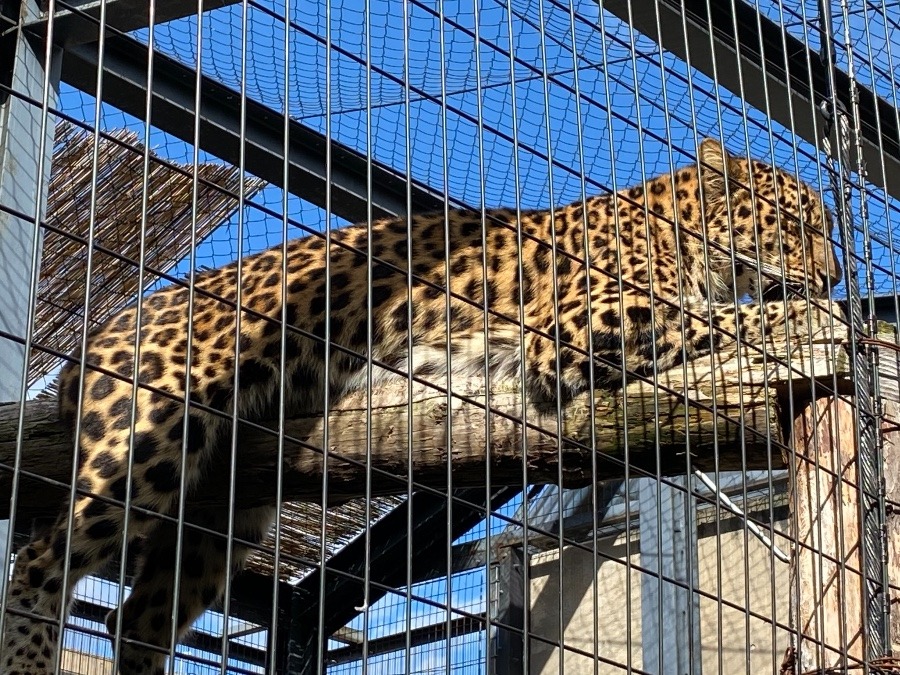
427	336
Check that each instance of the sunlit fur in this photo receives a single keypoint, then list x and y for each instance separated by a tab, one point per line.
665	261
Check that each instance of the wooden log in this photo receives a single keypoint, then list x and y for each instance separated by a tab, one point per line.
889	383
649	426
827	589
826	583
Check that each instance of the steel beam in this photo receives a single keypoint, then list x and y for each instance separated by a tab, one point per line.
756	59
125	86
387	542
24	184
508	598
24	179
195	639
670	613
437	634
78	21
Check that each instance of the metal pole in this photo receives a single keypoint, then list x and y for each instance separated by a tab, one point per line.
25	80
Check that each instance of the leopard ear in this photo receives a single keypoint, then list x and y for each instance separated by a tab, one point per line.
715	164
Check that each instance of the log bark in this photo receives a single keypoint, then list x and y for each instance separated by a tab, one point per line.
723	410
827	584
889	381
828	594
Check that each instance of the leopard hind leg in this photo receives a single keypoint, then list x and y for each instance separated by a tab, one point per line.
85	539
147	613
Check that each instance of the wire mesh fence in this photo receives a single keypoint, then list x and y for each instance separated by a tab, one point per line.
512	336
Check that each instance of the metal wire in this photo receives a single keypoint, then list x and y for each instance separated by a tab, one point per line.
129	484
528	104
283	336
481	206
49	57
407	166
326	365
866	432
445	187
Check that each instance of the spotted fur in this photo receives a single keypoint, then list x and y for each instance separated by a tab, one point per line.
667	259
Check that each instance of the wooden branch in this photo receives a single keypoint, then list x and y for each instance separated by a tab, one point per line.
828	593
652	428
827	585
889	382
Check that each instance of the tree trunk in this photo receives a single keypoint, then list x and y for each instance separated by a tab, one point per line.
724	411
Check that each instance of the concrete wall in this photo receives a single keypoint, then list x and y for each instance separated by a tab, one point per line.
577	599
731	640
79	663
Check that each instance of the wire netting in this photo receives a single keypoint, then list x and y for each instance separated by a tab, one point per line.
528	104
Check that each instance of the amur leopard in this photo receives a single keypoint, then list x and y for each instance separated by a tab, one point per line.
666	263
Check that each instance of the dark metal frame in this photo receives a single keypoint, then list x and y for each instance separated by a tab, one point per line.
173	90
731	34
781	75
429	517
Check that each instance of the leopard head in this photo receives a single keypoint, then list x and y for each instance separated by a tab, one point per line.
775	226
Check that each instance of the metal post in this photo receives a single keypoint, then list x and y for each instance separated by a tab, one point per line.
509	613
22	70
670	617
21	190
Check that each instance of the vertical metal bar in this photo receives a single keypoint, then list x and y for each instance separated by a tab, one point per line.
24	182
586	243
239	295
554	256
744	529
520	271
320	637
132	419
865	432
445	178
476	9
282	363
407	156
626	448
370	327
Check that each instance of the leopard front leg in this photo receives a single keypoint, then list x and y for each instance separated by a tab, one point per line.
756	324
608	344
629	334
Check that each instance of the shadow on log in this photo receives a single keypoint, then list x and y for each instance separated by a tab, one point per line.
725	411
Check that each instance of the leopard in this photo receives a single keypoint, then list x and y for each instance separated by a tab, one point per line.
719	251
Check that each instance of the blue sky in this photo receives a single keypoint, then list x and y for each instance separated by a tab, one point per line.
634	88
634	123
